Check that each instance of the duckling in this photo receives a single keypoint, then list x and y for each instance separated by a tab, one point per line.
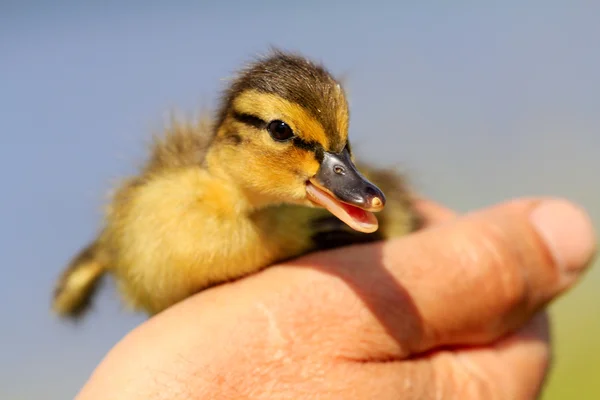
270	178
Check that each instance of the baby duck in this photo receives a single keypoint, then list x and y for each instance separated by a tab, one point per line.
270	179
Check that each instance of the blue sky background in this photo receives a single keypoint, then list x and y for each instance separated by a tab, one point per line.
476	103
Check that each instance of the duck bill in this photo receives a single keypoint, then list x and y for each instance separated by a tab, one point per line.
339	187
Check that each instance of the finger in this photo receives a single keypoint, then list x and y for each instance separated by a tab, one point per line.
515	367
433	213
466	282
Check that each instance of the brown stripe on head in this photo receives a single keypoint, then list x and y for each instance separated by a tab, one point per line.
300	87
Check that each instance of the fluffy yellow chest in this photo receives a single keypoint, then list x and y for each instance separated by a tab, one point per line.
181	232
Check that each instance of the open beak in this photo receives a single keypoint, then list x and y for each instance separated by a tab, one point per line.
340	188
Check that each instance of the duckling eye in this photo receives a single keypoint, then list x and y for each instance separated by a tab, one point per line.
279	130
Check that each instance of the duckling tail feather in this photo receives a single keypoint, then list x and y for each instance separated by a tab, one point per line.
78	283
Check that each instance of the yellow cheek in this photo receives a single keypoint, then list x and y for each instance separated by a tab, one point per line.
309	164
282	172
281	159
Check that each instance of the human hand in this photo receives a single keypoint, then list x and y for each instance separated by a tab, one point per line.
454	311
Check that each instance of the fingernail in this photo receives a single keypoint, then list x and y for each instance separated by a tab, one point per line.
568	233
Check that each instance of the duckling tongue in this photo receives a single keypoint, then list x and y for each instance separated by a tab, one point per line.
356	218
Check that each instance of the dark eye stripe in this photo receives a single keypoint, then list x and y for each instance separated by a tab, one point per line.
249	119
314	147
258	123
304	145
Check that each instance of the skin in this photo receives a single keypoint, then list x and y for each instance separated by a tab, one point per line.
455	311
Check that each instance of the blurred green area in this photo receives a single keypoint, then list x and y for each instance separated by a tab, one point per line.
576	336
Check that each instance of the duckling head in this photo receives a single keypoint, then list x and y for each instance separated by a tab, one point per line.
282	136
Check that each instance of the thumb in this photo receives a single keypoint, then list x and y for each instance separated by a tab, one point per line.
465	282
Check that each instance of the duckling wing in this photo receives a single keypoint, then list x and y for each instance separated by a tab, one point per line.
183	144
